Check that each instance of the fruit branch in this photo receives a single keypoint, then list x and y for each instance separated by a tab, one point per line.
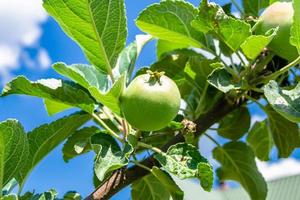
124	177
283	70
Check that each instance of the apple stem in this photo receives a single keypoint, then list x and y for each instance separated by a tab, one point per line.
155	76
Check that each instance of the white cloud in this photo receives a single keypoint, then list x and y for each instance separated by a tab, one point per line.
20	25
20	21
43	58
280	169
8	61
8	56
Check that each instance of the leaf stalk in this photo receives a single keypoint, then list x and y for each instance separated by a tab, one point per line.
104	125
155	149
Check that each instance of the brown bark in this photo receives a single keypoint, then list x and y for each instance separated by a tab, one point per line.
124	177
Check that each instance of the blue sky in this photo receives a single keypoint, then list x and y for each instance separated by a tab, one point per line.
31	56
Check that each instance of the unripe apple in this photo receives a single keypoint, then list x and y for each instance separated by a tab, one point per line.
151	101
279	14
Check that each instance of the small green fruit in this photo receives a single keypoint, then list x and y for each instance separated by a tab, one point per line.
151	101
279	14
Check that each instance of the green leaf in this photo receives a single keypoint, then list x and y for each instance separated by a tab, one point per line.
184	161
156	19
168	183
129	55
110	98
164	46
109	155
234	32
85	75
285	133
53	89
156	186
49	195
295	29
13	150
205	175
273	1
26	196
226	51
9	186
253	7
238	164
54	107
78	143
149	188
9	197
227	8
72	196
174	64
255	44
199	70
98	26
185	67
235	124
285	102
96	82
45	138
212	19
260	140
223	81
96	181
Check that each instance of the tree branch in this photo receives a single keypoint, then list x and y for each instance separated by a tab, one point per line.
124	177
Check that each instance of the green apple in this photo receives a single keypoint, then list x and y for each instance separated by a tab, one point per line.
151	101
279	14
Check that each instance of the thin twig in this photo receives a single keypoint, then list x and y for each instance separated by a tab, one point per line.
257	90
235	69
116	123
124	125
104	125
212	139
155	149
141	165
255	25
240	57
282	70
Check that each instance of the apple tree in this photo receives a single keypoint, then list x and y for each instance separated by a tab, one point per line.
211	64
